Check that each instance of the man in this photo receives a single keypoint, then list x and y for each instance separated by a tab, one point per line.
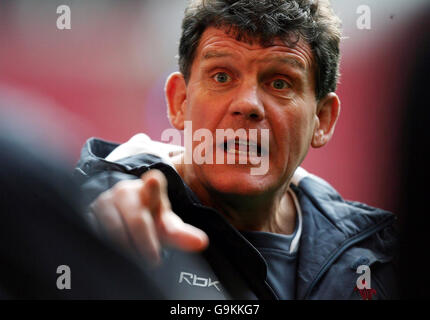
269	66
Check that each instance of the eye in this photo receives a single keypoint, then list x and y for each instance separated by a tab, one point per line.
222	77
279	84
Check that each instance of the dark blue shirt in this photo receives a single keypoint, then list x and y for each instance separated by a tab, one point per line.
280	253
281	271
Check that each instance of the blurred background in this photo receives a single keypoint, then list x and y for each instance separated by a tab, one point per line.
105	76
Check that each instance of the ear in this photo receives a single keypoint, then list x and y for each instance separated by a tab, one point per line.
328	110
176	94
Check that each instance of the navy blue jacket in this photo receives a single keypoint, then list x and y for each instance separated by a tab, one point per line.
337	237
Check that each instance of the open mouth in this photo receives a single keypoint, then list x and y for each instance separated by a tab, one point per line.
243	147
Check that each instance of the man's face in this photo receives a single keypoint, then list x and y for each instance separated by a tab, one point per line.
237	85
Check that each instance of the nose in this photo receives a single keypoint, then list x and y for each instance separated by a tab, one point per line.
247	103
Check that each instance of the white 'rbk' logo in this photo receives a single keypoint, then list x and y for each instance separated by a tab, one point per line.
194	280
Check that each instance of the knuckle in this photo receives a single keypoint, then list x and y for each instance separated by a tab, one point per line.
103	198
120	188
123	188
101	202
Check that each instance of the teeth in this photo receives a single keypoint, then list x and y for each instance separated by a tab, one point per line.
245	143
234	147
235	151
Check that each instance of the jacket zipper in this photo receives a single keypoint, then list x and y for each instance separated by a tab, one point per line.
345	246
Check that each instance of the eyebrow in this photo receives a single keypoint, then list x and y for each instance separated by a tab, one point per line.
290	61
284	60
216	54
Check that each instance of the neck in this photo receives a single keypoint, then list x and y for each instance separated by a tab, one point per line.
273	211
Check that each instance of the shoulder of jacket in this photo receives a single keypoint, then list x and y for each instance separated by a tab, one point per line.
349	216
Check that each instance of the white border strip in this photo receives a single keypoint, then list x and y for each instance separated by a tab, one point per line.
295	242
298	175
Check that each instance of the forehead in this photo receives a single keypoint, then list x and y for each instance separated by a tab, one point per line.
216	42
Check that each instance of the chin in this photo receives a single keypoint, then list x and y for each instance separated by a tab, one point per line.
236	179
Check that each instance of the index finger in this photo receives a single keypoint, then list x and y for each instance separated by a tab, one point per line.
154	192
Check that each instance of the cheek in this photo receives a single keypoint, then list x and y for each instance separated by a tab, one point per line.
196	107
293	130
204	110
